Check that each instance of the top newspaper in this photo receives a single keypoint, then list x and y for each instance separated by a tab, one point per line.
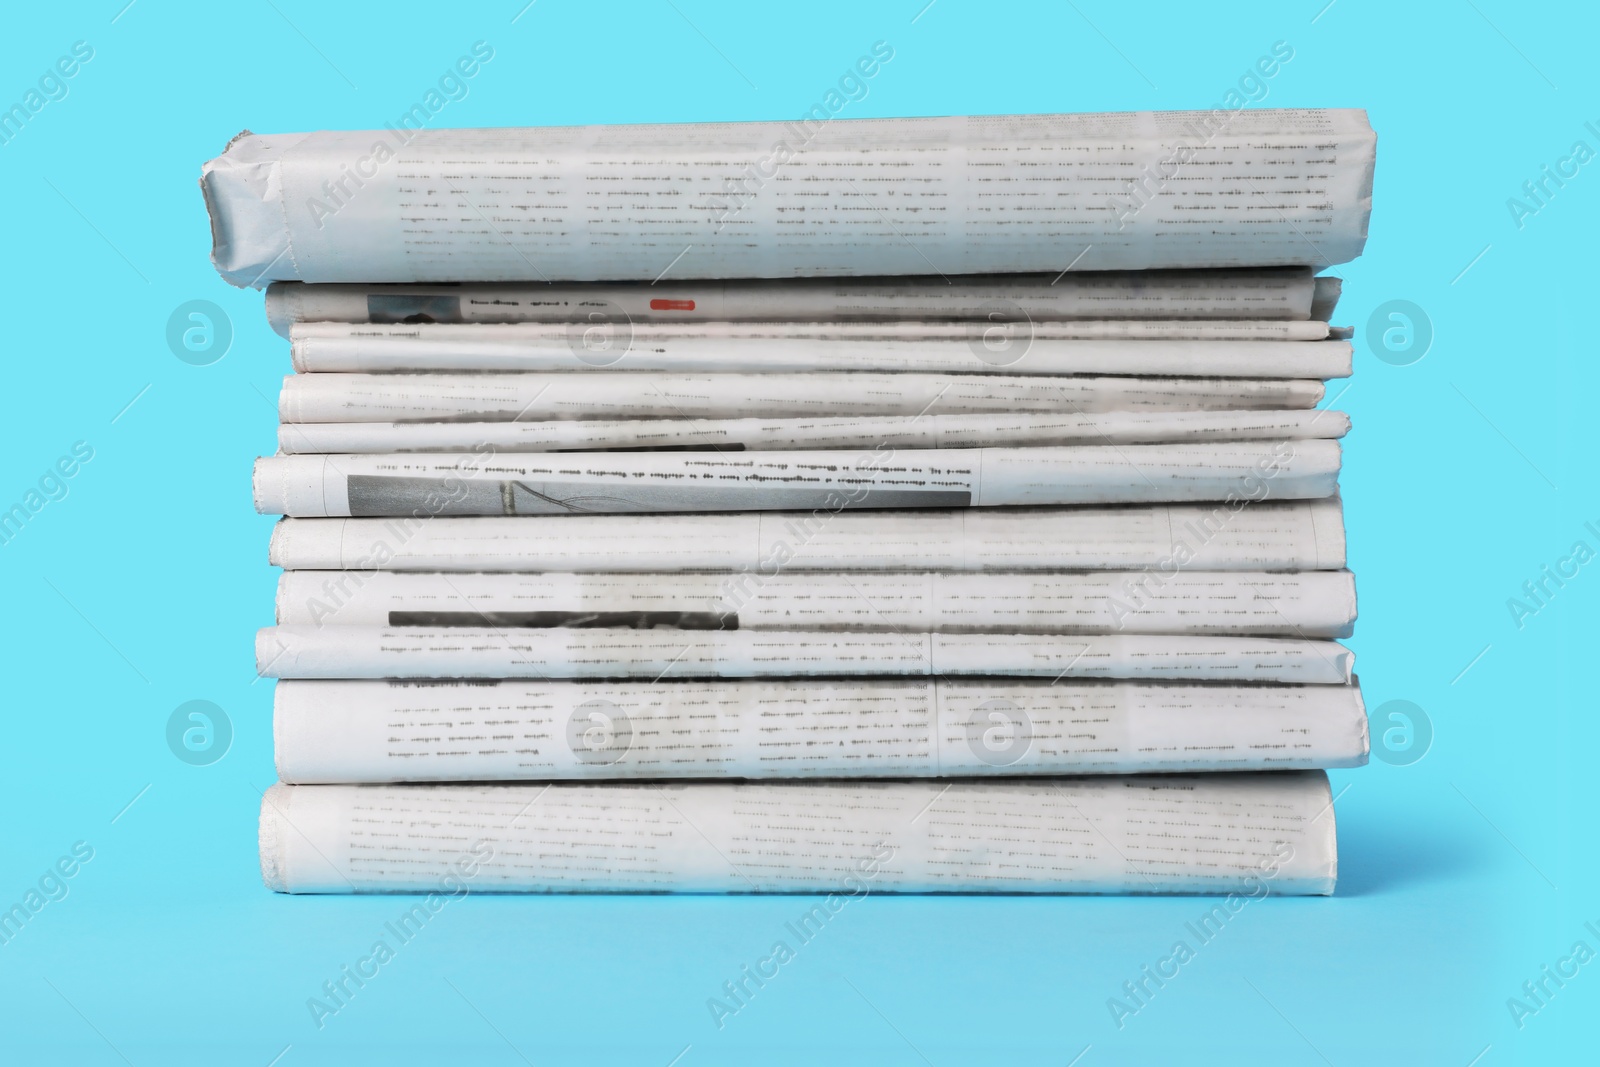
807	198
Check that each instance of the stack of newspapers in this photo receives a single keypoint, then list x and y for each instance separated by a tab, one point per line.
882	505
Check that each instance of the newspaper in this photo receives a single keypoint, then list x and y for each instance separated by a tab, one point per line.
890	431
722	347
619	482
816	197
1325	293
1299	604
534	397
399	731
1165	539
1285	293
1247	834
620	652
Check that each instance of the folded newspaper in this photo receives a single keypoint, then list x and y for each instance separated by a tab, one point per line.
1248	834
870	197
865	431
623	652
1164	539
1264	603
736	348
511	730
617	482
1113	297
490	397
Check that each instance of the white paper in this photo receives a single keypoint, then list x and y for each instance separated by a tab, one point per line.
1166	539
892	431
1299	604
976	348
1285	293
1253	834
817	197
619	482
533	397
401	731
497	652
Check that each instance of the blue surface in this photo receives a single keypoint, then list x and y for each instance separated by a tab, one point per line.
139	589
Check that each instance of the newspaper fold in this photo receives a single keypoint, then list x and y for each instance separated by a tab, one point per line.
1165	539
1244	834
1278	294
815	197
977	348
892	431
618	482
397	731
1299	604
610	652
521	397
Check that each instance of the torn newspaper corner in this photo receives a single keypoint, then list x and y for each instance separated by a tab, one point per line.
598	483
1166	538
913	196
1277	294
1248	834
516	730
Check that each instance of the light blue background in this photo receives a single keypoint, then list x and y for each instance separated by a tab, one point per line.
140	590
